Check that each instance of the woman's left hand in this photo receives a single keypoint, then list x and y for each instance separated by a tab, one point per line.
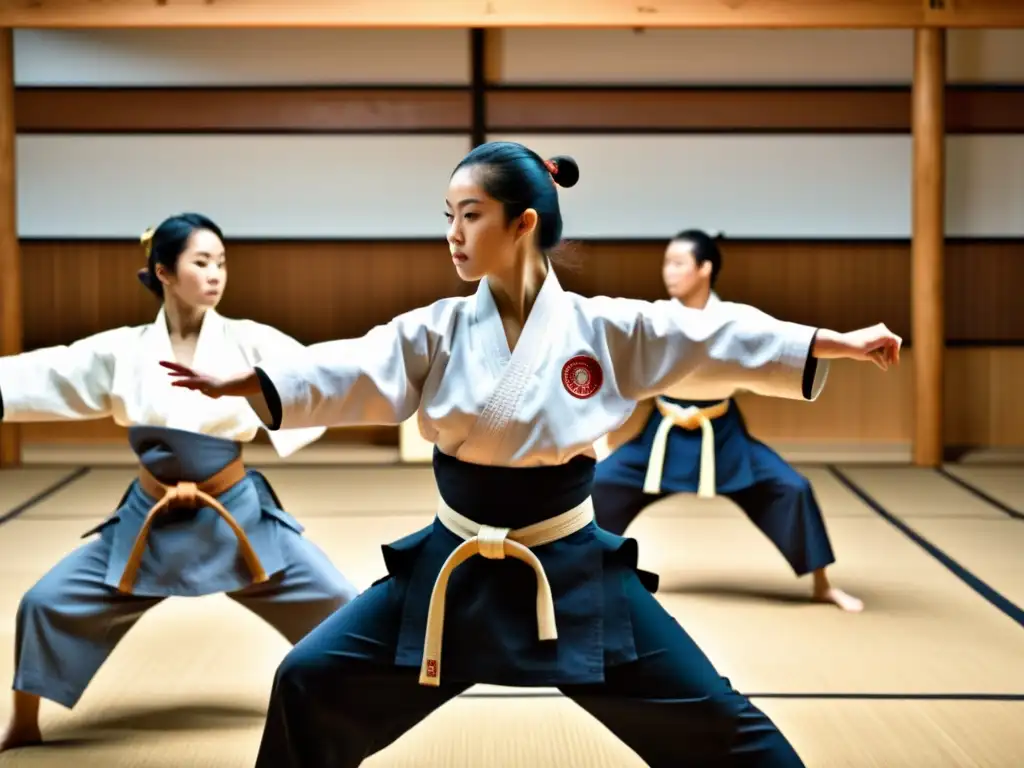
877	344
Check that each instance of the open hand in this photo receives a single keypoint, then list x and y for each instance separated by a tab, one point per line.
877	344
210	386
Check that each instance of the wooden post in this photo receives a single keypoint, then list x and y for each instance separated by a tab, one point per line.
10	253
928	262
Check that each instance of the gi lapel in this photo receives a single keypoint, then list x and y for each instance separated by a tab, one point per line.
485	440
209	354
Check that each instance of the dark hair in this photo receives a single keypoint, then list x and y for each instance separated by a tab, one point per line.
167	242
520	179
705	248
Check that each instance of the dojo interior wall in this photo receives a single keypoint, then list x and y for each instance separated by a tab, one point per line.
324	154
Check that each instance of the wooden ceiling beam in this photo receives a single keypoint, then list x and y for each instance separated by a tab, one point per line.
777	14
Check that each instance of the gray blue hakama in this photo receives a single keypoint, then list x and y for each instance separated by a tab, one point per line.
75	615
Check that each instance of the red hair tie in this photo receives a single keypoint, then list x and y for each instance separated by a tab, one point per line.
552	167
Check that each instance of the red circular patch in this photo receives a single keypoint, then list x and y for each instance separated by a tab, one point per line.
582	376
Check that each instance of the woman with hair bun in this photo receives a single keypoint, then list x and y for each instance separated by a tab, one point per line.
195	521
693	439
513	385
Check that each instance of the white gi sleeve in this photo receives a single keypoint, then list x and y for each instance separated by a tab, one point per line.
375	379
656	345
61	383
266	343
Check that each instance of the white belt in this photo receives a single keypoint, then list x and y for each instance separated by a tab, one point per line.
495	544
673	415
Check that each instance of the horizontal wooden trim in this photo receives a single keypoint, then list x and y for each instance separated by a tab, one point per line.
778	14
743	110
507	109
242	110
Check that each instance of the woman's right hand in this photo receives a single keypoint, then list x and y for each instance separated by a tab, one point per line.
237	386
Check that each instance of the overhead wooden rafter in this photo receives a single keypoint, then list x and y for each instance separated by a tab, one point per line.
511	13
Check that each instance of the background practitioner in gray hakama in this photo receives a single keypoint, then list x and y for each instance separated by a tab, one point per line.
227	533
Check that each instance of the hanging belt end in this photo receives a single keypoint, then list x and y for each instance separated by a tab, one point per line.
430	673
706	487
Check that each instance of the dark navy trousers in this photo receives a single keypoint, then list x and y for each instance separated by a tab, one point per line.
779	501
338	697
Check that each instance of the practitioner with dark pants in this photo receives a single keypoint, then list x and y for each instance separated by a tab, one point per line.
514	385
694	440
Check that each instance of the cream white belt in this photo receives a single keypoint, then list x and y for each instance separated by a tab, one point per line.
496	544
692	417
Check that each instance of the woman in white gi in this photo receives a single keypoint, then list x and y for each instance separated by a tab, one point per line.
695	440
189	449
514	385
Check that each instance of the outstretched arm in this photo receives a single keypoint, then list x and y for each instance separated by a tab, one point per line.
60	383
375	379
266	343
657	345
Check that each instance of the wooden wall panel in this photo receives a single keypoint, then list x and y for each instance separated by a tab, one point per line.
321	290
313	291
863	405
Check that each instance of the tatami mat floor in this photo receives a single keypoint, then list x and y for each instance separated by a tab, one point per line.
930	675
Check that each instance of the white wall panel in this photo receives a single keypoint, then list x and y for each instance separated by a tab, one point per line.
782	186
281	57
712	56
169	57
986	55
985	186
746	186
253	186
393	186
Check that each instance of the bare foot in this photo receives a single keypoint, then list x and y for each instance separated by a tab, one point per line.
18	735
23	727
824	592
839	598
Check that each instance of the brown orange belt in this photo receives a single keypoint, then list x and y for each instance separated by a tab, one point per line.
194	496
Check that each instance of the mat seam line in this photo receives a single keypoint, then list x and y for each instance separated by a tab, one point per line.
980	587
58	485
979	493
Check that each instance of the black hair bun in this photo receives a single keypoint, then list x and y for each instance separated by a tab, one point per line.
566	173
144	278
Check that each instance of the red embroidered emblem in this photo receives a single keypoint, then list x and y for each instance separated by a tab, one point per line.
431	667
582	376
